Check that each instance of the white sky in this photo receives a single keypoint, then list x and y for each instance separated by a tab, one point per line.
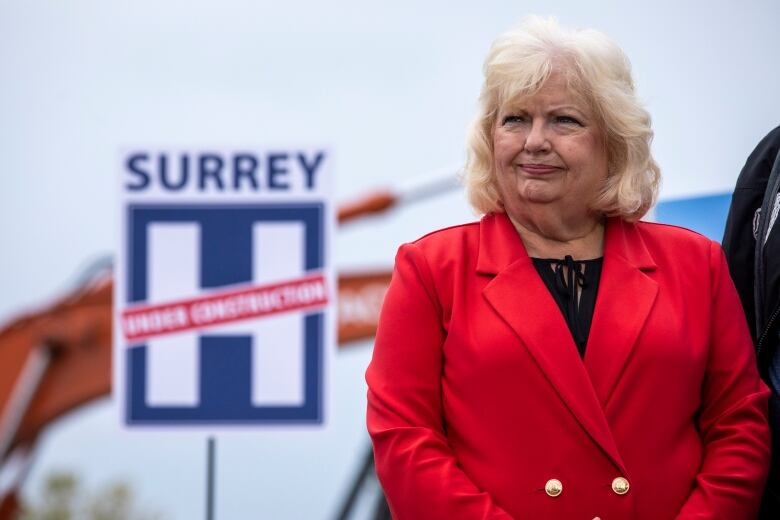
389	87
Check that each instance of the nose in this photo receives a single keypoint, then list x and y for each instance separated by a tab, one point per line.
536	140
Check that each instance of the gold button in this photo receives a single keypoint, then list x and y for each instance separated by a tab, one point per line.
620	486
553	487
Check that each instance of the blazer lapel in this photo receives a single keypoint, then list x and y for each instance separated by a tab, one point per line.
625	297
520	297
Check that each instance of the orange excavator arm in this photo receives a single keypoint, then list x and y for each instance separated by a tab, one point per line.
59	358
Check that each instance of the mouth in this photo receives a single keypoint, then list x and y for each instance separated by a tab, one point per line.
539	169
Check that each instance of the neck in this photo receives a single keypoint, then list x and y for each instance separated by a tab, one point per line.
556	237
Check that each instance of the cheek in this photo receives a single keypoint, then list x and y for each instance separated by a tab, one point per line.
506	147
595	149
588	157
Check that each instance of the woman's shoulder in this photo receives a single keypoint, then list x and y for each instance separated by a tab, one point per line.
457	232
445	247
671	234
676	241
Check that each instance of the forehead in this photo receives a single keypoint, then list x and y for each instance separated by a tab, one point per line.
557	90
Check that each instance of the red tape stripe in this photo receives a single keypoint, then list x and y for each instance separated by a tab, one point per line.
145	322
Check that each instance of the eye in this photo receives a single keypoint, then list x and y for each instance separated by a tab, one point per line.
567	120
513	119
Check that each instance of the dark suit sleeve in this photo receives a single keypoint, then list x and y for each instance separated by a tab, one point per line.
739	246
733	413
738	242
415	465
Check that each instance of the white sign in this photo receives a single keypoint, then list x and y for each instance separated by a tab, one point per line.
224	289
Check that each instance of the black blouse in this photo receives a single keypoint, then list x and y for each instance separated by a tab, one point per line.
573	284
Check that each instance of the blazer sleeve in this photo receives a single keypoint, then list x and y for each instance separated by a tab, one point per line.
733	413
415	465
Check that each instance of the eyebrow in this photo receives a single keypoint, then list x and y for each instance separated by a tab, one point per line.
565	107
555	108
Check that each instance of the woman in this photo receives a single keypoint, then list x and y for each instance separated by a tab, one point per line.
560	359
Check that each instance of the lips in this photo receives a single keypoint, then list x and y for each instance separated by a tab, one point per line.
539	169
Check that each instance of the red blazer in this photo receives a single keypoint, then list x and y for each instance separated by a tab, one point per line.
478	397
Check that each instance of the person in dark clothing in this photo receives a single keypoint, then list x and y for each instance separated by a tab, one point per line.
752	246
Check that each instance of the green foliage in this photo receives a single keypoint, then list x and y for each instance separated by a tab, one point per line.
63	498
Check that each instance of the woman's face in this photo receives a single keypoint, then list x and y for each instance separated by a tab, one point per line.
548	149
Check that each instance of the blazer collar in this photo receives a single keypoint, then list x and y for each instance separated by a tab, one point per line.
625	297
500	245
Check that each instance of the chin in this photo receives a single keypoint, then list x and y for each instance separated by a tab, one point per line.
538	196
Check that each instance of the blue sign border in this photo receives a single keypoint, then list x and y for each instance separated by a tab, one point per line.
225	361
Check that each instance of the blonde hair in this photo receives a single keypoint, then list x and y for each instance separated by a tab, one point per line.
519	63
